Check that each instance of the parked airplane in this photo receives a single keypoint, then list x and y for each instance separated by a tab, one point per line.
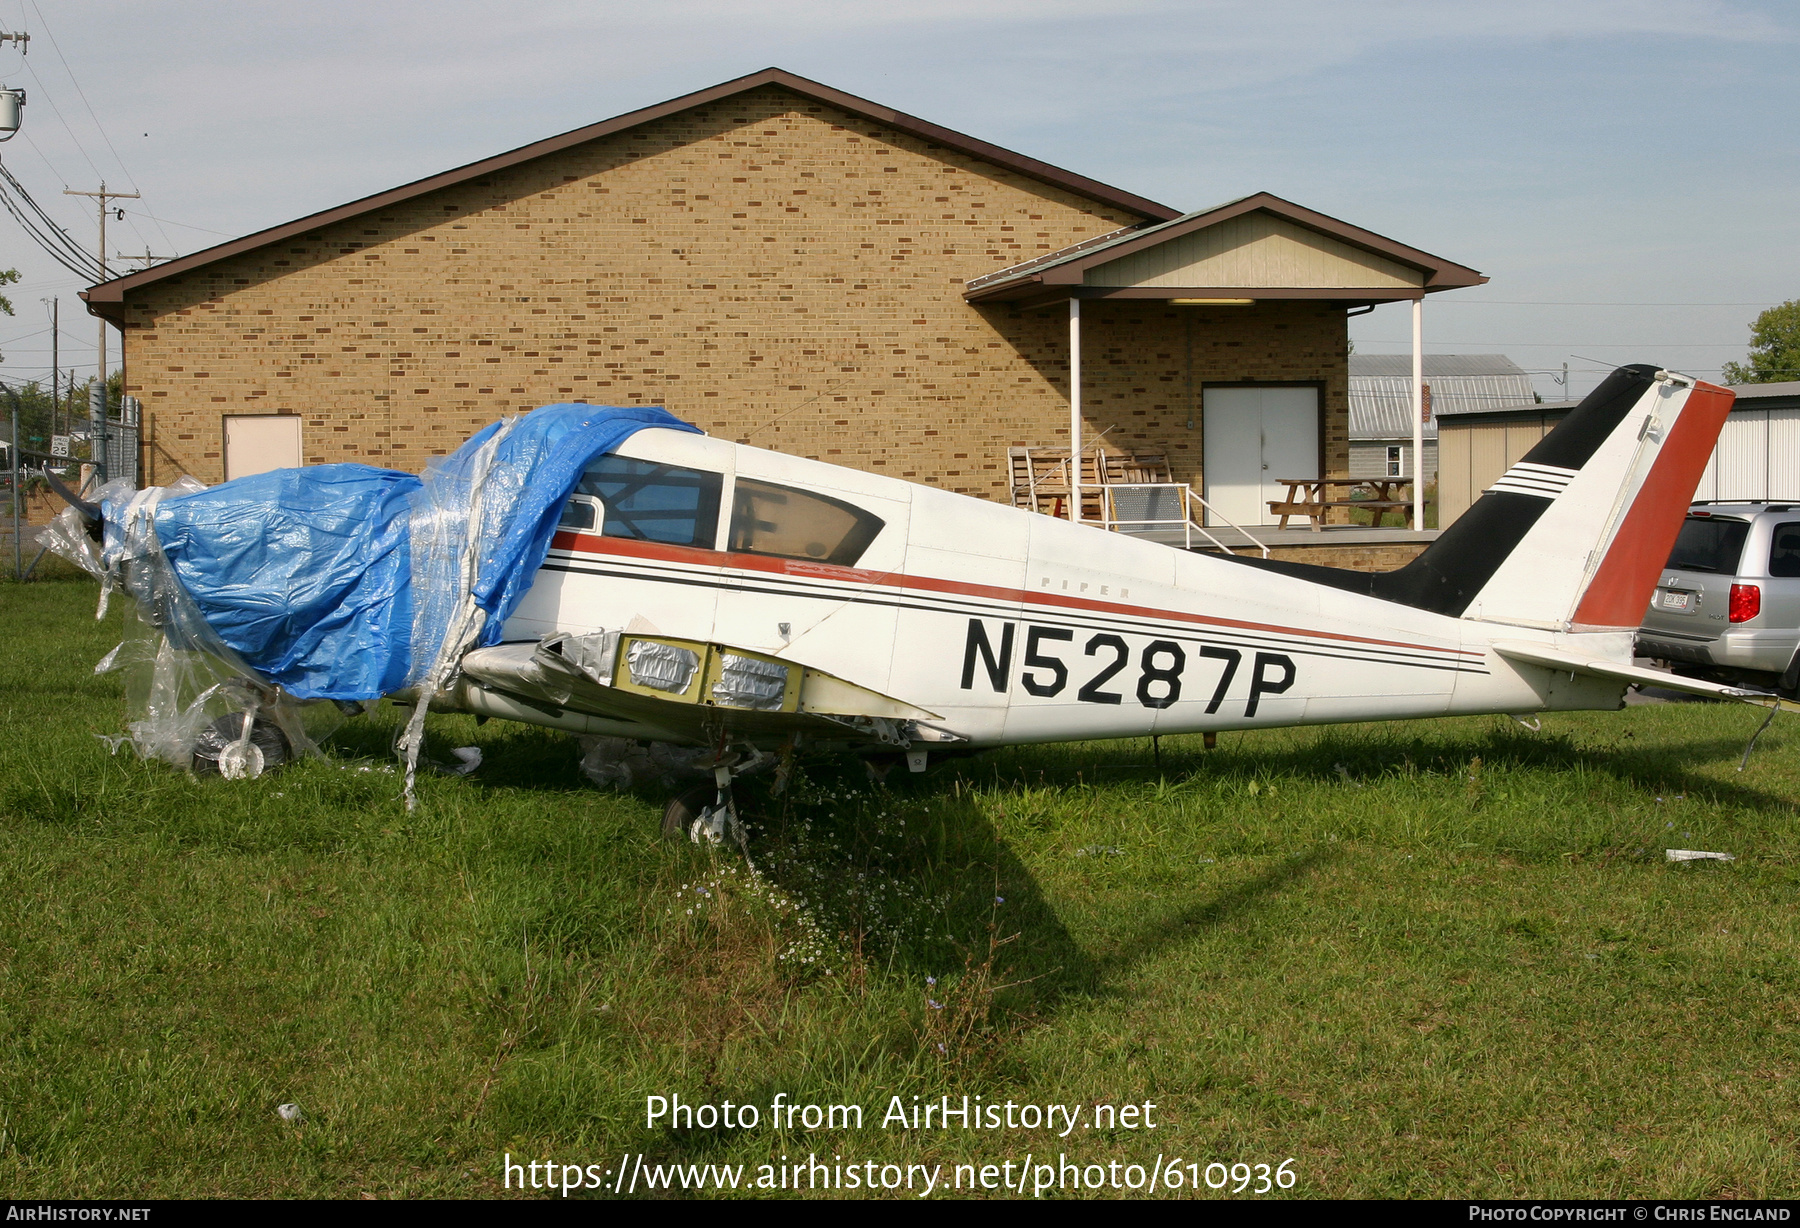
717	595
711	593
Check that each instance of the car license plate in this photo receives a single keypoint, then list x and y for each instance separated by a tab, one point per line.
1676	601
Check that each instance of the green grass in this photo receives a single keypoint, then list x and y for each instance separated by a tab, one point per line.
1435	959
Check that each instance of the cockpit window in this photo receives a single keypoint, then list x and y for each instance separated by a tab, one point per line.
798	524
650	502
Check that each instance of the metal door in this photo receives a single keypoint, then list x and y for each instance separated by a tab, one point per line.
1253	438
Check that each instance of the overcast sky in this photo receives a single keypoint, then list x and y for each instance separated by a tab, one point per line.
1625	171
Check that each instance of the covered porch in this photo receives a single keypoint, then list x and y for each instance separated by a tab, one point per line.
1207	385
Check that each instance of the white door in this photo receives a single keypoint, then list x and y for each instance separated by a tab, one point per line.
1254	438
257	443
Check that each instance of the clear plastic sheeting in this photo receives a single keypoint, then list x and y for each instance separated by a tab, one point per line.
332	582
191	700
481	525
747	682
622	763
665	667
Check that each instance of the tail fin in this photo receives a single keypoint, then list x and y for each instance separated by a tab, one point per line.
1595	507
1573	536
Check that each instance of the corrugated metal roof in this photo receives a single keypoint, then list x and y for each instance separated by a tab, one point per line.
1786	388
1381	390
1435	364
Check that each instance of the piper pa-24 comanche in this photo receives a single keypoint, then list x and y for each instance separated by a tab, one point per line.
715	595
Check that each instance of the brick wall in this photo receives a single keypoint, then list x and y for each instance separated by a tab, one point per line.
768	268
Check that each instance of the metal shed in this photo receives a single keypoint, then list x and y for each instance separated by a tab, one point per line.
1757	457
1381	404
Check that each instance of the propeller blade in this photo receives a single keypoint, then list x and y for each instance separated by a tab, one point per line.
89	511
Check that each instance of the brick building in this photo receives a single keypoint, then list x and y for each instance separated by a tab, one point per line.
774	261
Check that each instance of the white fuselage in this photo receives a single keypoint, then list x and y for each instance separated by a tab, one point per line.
1016	627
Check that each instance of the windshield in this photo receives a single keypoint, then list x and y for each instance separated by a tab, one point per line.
651	502
1709	544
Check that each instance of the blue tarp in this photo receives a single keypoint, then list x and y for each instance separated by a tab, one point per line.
336	581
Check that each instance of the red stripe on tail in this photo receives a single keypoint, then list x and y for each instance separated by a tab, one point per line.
1620	592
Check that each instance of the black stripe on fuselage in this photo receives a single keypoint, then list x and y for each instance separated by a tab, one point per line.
971	606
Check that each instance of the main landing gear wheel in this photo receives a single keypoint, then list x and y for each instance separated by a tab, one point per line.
685	808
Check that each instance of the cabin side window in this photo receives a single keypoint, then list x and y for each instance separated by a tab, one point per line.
581	513
646	501
799	524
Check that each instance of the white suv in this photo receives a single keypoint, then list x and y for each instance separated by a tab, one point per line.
1727	606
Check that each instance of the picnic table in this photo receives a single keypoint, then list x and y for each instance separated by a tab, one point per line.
1315	497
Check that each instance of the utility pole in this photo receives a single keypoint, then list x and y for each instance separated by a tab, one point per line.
147	258
13	455
99	398
55	372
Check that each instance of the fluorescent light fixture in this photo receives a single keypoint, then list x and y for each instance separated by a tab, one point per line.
1213	302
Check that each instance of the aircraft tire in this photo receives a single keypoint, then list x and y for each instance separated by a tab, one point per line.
679	815
268	746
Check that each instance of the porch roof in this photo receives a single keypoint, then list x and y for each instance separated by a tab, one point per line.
1257	247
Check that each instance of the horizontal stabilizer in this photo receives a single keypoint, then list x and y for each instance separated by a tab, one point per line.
1600	667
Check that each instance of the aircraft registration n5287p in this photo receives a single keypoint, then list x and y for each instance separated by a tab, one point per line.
710	593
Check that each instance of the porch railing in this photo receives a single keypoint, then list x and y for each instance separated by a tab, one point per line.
1128	506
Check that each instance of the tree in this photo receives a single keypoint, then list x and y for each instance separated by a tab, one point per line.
7	276
1774	348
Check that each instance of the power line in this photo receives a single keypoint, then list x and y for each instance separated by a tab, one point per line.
43	230
92	114
57	232
1557	344
82	94
1504	302
44	242
163	221
47	96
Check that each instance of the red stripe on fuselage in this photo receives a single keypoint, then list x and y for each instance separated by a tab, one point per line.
632	548
1621	588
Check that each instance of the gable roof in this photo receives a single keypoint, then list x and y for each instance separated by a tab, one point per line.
107	298
1060	272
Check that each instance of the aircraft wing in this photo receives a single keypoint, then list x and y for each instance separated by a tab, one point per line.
670	689
1600	667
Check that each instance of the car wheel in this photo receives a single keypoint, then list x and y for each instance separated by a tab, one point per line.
1788	687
